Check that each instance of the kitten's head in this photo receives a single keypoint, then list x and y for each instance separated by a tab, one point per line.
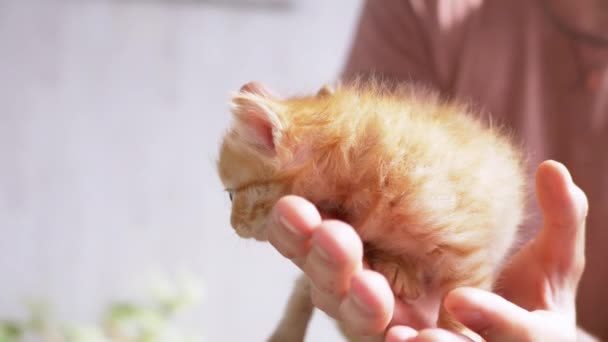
253	158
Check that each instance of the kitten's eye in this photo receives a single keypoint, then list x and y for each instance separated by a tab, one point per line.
230	194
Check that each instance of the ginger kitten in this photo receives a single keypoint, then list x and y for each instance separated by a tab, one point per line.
435	195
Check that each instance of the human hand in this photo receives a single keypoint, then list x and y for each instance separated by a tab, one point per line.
331	255
538	285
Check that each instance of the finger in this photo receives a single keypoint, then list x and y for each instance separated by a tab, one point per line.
336	254
368	307
491	316
400	333
290	229
438	335
403	334
329	303
421	315
562	237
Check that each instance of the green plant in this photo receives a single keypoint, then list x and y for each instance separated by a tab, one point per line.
152	320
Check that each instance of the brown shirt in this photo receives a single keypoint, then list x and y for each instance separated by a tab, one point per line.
511	60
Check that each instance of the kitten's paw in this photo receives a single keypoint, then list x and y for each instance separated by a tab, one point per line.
446	321
404	281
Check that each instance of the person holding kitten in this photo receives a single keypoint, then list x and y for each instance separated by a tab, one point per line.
538	67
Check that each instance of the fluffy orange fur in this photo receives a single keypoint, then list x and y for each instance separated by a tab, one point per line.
435	195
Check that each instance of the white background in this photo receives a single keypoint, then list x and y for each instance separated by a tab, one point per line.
110	118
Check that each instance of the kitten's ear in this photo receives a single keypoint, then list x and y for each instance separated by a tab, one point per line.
326	91
255	88
255	121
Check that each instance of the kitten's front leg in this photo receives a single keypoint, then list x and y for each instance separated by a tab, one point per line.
292	327
482	280
405	278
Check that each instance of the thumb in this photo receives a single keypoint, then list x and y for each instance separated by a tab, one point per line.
561	241
489	315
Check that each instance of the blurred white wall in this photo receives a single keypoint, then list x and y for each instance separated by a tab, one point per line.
110	118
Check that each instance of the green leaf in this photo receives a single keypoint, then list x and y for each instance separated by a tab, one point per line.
10	331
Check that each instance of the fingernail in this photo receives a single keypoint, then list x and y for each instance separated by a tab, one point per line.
289	226
565	172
